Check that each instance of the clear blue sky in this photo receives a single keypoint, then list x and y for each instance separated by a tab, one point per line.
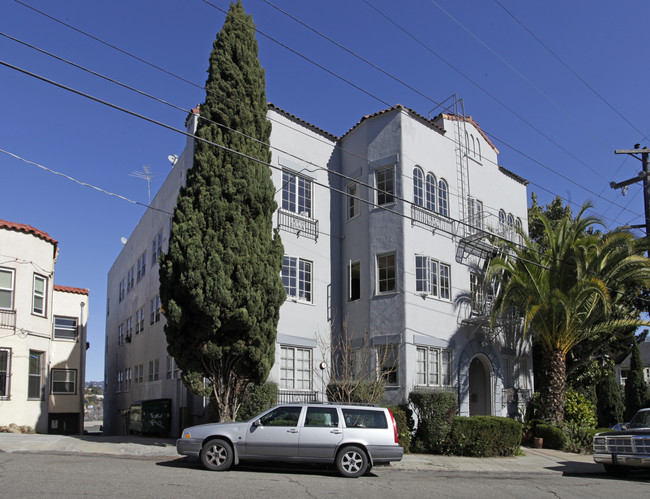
548	123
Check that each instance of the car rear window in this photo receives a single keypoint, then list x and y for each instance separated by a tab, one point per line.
364	418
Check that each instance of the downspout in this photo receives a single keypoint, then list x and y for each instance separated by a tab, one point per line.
82	367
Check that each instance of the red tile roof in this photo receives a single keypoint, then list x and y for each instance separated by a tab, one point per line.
28	229
469	119
415	114
68	289
303	122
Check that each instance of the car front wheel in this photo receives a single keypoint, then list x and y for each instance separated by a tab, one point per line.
352	462
216	455
613	470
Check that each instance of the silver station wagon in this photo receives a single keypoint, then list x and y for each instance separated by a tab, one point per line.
353	437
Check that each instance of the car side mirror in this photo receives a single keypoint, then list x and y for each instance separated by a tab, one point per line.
624	427
257	422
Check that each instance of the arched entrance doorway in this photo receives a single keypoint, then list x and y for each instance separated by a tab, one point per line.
480	393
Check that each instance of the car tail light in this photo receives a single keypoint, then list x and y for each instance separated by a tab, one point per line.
394	426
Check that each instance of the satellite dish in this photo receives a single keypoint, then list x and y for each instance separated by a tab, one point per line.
173	159
123	239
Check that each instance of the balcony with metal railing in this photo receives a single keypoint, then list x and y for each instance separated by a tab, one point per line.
8	319
289	396
430	220
298	224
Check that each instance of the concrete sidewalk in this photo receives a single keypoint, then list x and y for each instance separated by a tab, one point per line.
534	460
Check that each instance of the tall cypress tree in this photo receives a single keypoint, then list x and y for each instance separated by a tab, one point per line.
636	389
220	282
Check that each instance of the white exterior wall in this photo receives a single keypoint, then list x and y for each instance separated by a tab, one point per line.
30	255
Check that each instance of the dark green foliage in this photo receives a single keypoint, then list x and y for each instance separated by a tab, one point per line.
355	391
434	412
401	415
553	436
256	399
220	283
636	389
555	211
579	412
609	408
484	436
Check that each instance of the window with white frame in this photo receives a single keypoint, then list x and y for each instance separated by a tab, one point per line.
432	277
129	328
120	334
155	310
138	374
443	201
430	192
6	289
354	281
122	292
475	209
127	379
353	200
172	369
295	368
296	194
388	363
120	381
386	273
433	367
40	295
5	371
142	266
139	321
516	372
297	278
154	370
156	248
385	183
418	187
35	381
64	381
476	292
65	328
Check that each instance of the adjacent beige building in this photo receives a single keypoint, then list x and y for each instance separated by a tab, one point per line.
42	335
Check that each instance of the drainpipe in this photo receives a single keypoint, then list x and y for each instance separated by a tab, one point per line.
82	366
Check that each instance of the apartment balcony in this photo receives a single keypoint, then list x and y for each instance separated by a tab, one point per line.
8	319
292	397
430	220
298	224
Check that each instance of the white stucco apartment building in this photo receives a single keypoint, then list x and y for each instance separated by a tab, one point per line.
386	235
42	336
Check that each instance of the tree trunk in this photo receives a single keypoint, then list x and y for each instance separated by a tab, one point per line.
552	387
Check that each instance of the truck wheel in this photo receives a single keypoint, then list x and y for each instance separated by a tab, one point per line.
613	470
216	455
352	462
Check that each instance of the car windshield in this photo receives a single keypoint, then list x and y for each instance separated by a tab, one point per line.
640	420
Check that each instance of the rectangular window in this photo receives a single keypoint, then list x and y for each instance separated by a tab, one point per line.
155	310
142	266
386	273
432	277
35	383
120	334
172	372
139	374
156	248
6	289
139	321
40	295
127	379
433	367
354	281
64	381
297	278
387	363
122	290
130	279
296	194
295	368
154	370
353	200
65	328
385	181
120	381
129	329
475	209
5	360
476	292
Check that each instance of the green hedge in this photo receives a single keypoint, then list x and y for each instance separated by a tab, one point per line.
367	392
434	412
553	436
257	398
484	436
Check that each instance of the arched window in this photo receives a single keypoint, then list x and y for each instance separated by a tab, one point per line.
443	202
473	145
418	189
430	192
502	220
478	149
511	221
467	142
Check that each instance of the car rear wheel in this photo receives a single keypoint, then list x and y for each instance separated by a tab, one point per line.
352	462
613	470
216	455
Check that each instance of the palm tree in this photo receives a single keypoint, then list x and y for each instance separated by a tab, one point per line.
568	292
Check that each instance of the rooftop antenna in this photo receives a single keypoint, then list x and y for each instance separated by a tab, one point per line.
173	159
146	175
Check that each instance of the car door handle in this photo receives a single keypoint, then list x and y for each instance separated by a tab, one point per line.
337	432
292	430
